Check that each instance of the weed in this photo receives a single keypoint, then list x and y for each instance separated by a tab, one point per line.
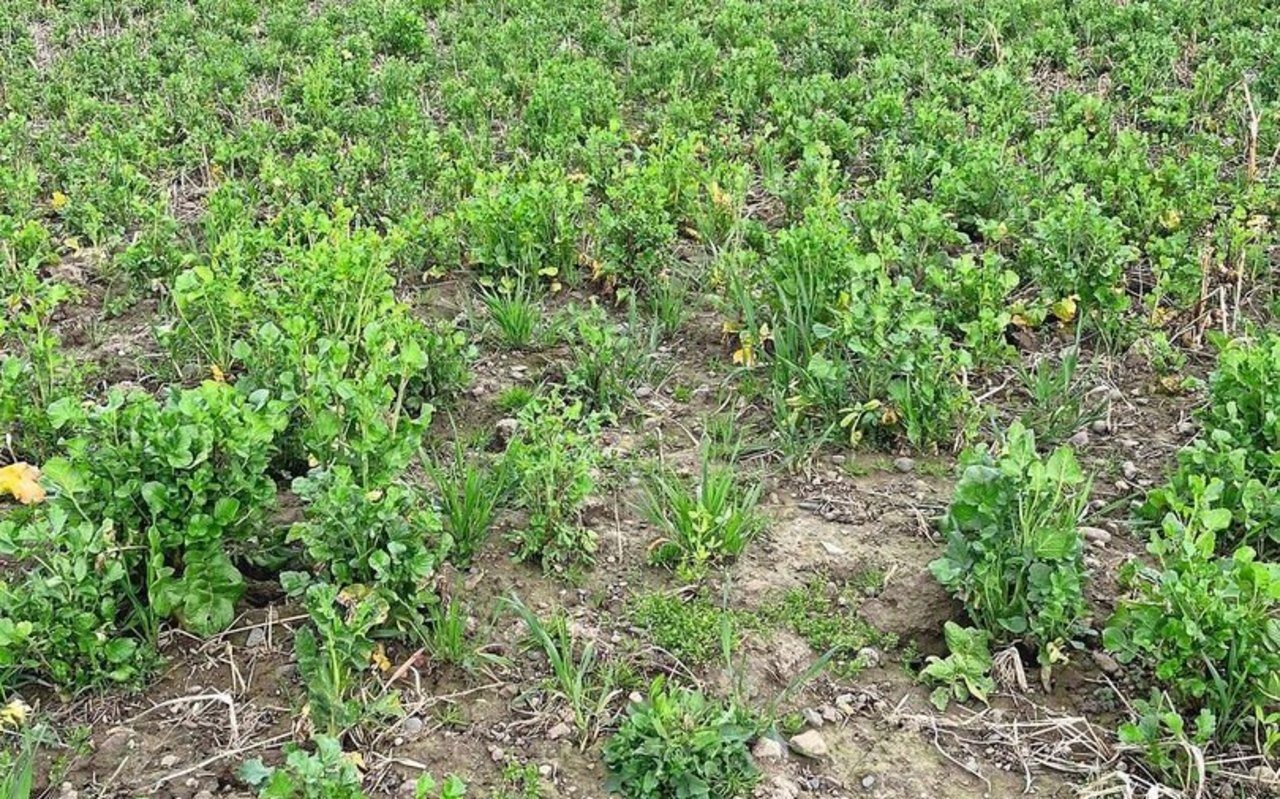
679	743
965	672
1058	400
828	624
469	496
516	313
552	463
578	677
688	628
703	524
519	781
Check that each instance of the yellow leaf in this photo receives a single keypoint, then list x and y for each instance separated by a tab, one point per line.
374	495
354	758
14	714
1064	309
58	201
218	375
1018	320
1171	219
379	659
22	482
744	356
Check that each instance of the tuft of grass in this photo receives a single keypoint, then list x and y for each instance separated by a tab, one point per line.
469	499
579	678
1057	399
516	314
703	523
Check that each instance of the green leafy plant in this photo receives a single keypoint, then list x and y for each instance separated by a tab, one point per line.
702	524
1239	446
326	773
1173	752
197	464
389	539
336	651
1014	554
965	672
329	773
1204	627
679	743
552	460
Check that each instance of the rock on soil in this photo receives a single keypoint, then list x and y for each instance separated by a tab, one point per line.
767	749
809	743
914	606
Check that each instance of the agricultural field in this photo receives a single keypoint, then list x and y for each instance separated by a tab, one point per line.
668	399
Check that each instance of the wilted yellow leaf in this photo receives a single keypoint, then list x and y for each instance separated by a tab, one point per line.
379	659
1018	320
1171	219
14	714
58	201
22	482
1064	309
354	758
218	375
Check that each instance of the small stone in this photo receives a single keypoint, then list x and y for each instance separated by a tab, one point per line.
496	754
635	697
870	656
1185	428
1100	426
545	770
169	761
1266	776
257	637
869	781
506	429
904	465
1080	440
829	713
203	795
779	787
838	460
559	731
812	717
1096	536
1107	663
1129	469
412	725
809	743
767	749
832	549
644	392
